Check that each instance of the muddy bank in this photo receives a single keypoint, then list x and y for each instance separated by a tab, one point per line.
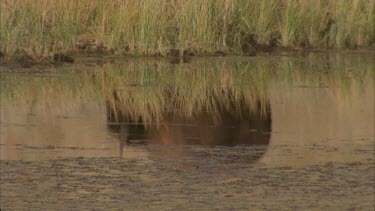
62	59
188	184
89	47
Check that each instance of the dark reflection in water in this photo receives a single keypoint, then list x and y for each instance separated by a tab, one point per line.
230	125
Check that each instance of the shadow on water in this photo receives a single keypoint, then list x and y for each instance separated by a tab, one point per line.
230	125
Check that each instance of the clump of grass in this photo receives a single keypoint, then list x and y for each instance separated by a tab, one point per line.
147	27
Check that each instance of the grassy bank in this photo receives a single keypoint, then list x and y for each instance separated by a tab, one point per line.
149	27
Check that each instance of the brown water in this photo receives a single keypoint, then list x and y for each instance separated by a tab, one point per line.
273	132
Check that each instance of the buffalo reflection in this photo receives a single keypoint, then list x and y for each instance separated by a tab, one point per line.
229	125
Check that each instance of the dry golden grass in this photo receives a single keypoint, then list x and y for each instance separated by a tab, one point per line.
146	27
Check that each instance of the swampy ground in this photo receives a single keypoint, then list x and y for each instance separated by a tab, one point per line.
275	132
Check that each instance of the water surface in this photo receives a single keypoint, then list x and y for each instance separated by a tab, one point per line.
273	132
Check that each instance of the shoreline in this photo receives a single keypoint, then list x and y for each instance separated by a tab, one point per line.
65	57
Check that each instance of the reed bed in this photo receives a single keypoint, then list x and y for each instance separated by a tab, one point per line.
149	27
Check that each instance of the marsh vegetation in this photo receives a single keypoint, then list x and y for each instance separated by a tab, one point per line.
33	29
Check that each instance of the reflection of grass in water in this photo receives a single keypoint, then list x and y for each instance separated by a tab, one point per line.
338	72
188	89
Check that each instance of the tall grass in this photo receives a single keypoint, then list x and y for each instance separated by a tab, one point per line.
145	27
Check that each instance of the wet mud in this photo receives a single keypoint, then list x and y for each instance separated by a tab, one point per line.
213	181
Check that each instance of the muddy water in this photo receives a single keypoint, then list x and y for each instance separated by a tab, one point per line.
275	132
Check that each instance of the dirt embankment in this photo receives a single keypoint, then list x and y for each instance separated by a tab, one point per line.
87	46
